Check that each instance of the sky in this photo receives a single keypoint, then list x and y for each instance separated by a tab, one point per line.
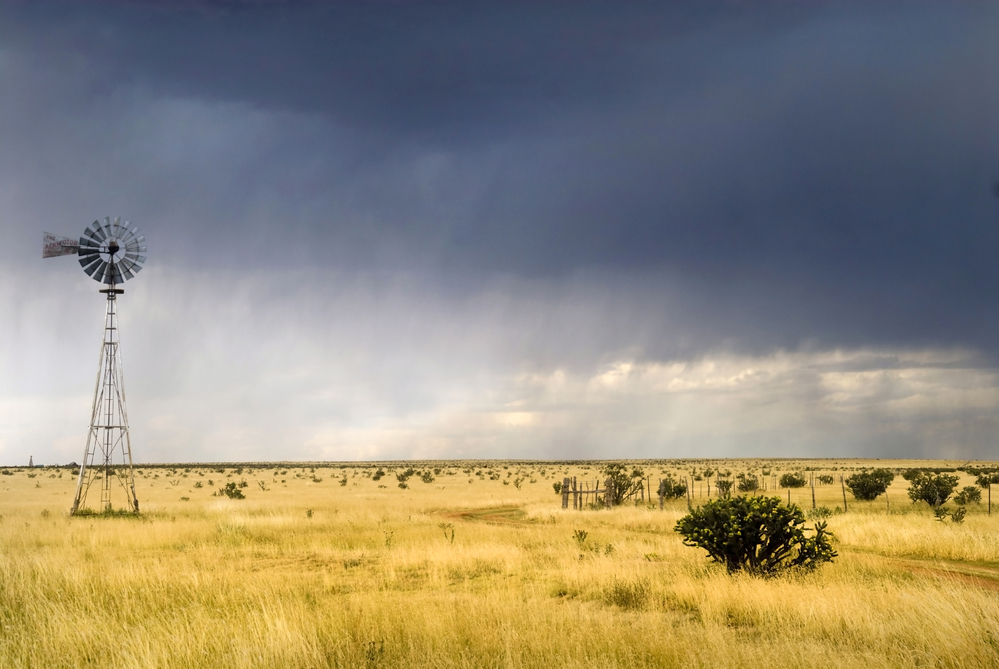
543	230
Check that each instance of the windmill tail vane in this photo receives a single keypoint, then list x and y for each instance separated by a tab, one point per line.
110	252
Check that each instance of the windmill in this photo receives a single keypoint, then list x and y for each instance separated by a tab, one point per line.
110	253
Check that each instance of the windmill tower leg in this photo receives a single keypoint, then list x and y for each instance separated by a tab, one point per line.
108	454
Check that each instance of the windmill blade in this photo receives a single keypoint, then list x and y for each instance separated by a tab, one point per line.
126	237
108	273
133	267
55	245
98	232
87	261
96	269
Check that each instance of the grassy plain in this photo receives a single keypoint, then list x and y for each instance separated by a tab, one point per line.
324	566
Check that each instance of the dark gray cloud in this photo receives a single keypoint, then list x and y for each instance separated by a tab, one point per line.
834	162
629	181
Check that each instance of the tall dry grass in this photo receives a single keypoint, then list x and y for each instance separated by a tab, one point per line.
371	578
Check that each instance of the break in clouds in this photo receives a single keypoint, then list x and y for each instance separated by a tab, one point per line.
521	230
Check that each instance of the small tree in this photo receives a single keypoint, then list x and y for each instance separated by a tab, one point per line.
870	485
624	485
670	488
230	490
969	495
747	483
792	480
934	489
758	535
724	487
984	480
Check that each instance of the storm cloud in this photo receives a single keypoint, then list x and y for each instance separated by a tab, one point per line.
434	229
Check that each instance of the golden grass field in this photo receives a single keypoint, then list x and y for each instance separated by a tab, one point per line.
312	573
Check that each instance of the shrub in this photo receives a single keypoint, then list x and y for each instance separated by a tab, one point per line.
984	480
969	495
958	514
670	488
624	485
758	535
747	484
378	474
724	487
825	479
822	512
558	487
792	480
230	490
870	485
934	489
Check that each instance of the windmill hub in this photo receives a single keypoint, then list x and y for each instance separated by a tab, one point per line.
113	247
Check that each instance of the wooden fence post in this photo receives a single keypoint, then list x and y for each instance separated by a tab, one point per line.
843	486
662	496
812	480
565	493
609	493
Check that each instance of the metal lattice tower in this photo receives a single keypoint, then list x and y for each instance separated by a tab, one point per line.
110	253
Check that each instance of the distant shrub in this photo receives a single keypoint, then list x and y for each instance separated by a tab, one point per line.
624	484
822	512
968	495
934	489
747	484
825	479
982	481
869	485
558	487
724	487
427	477
230	490
758	535
670	488
378	474
958	514
792	480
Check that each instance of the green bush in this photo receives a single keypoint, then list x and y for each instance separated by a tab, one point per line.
625	484
934	489
870	485
557	486
230	490
724	487
758	535
984	480
792	480
969	495
670	488
825	479
747	484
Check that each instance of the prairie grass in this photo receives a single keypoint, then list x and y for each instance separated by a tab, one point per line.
369	579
